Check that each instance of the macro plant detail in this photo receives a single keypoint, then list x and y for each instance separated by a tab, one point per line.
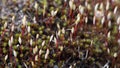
59	34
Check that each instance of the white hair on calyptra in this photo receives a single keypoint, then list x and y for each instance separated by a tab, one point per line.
78	19
72	5
43	43
9	42
106	65
17	45
31	42
63	30
86	19
99	14
115	54
34	20
109	23
53	13
40	51
89	7
61	48
102	20
6	57
36	58
46	56
36	5
55	40
5	25
14	53
35	50
108	50
108	35
19	39
24	22
109	15
72	30
11	39
28	29
118	41
115	9
47	53
101	6
12	28
51	37
86	3
81	9
13	18
96	7
58	25
107	5
32	63
37	36
94	18
70	66
118	20
58	33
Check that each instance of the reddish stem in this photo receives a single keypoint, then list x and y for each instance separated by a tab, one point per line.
36	15
2	35
71	13
56	43
75	31
14	62
23	30
64	4
10	48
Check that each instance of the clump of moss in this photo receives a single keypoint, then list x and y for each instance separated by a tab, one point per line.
60	34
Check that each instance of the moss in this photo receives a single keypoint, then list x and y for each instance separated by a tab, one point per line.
88	45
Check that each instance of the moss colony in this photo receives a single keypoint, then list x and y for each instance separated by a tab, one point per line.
59	34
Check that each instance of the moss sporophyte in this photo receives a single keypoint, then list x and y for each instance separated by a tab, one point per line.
60	34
